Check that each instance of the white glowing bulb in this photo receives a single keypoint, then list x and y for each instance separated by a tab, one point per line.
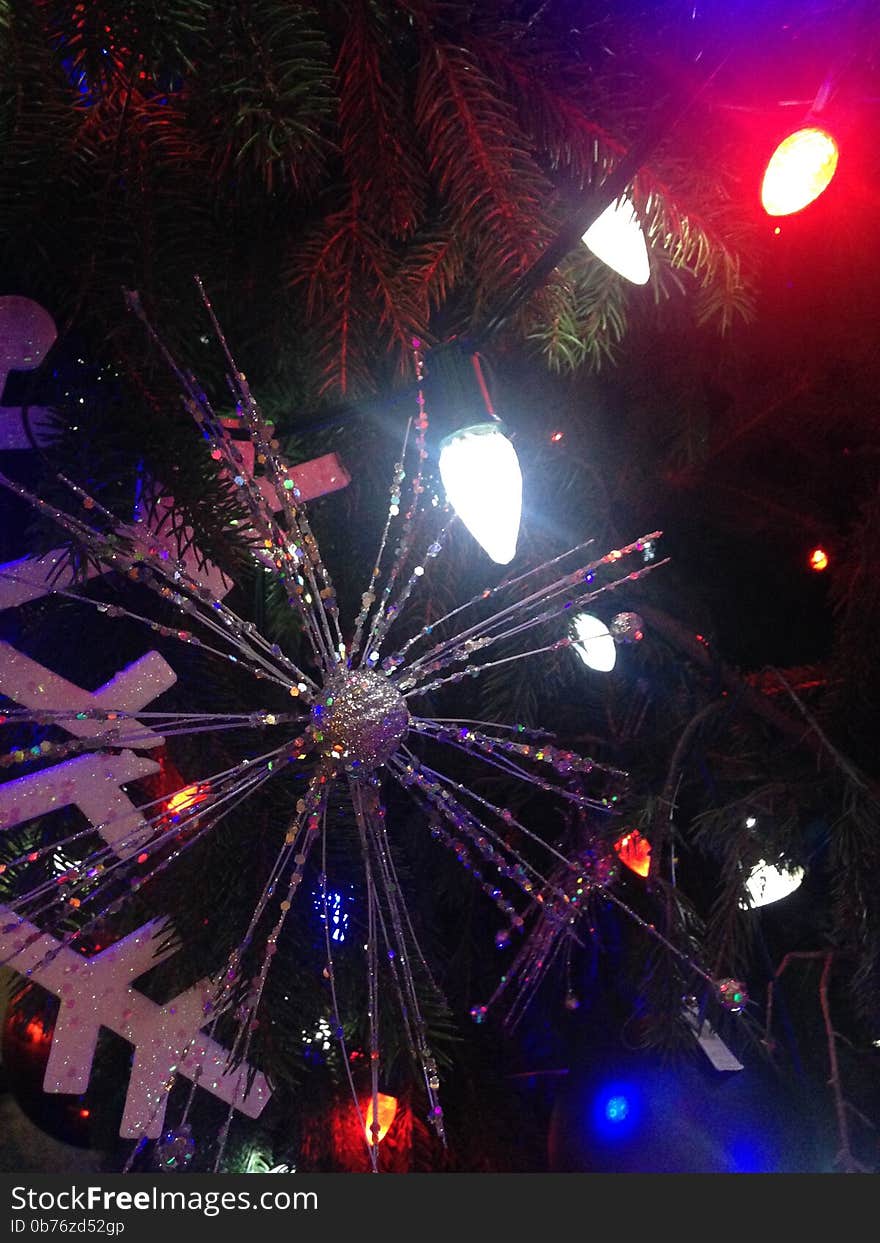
768	883
594	643
617	239
750	822
480	472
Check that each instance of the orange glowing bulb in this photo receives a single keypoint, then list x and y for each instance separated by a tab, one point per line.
800	168
634	851
818	559
387	1111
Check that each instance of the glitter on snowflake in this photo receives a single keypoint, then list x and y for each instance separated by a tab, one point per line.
96	992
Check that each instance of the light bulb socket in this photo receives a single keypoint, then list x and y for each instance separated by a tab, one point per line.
456	394
486	425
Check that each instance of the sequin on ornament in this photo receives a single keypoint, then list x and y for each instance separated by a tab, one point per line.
598	866
360	720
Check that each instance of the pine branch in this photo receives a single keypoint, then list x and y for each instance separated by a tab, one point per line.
481	165
377	138
266	102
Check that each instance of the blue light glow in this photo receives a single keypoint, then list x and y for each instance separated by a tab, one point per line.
337	916
78	80
748	1156
616	1109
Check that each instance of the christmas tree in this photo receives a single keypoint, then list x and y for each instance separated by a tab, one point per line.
383	203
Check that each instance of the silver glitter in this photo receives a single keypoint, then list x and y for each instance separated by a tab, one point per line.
360	720
627	627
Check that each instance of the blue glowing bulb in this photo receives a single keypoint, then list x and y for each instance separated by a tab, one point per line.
616	1108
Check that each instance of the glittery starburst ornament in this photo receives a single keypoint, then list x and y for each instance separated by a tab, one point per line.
355	728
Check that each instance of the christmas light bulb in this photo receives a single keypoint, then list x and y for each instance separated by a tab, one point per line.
799	170
768	883
818	560
386	1114
617	239
189	796
483	482
594	643
634	851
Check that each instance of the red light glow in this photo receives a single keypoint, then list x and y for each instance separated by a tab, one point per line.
800	168
556	437
36	1032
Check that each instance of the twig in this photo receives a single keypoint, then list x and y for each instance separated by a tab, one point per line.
845	1159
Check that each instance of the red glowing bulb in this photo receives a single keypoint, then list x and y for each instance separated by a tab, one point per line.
634	851
556	437
818	559
800	168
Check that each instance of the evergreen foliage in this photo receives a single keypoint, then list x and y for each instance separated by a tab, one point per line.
344	176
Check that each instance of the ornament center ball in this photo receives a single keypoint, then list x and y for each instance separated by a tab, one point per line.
360	720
